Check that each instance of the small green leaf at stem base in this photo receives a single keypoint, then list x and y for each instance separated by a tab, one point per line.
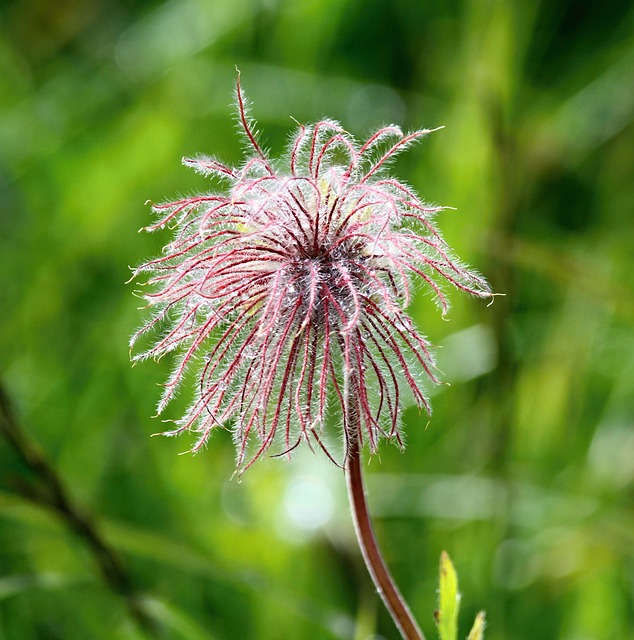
477	631
449	600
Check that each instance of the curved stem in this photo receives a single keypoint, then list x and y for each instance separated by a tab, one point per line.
374	561
52	493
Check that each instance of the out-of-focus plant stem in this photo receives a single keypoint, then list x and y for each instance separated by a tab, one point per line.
51	492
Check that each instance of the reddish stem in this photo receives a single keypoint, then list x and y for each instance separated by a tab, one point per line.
374	561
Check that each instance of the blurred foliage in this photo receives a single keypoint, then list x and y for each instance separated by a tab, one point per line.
525	473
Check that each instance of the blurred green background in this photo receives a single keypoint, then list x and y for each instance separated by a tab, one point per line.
525	473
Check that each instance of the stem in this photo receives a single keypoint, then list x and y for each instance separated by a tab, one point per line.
374	561
51	492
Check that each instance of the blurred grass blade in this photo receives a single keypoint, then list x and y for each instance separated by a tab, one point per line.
477	631
176	620
12	585
449	600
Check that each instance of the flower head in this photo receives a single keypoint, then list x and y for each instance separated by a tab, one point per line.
287	292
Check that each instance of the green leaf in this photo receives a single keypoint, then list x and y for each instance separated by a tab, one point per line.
449	600
477	631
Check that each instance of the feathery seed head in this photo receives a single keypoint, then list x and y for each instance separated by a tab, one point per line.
288	291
